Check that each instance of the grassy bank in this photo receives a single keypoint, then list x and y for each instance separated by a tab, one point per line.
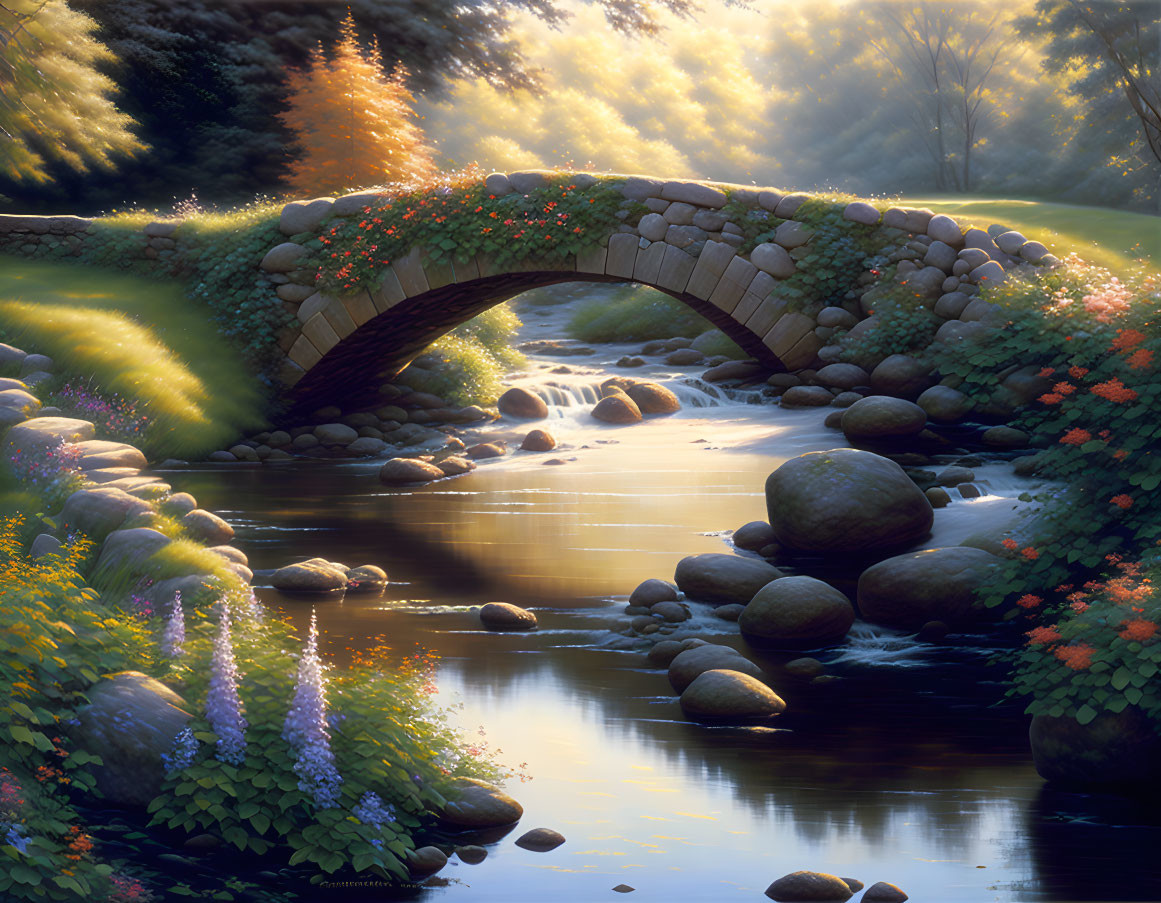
167	379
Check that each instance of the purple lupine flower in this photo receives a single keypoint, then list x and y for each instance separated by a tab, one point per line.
371	810
173	636
223	706
253	608
305	728
185	750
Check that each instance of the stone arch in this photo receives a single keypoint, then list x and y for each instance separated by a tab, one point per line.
340	347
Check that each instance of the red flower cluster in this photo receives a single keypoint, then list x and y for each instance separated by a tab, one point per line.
1028	600
1043	636
1114	390
1122	501
1076	437
1077	657
1138	630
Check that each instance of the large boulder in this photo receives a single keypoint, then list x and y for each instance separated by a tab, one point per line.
99	511
207	527
797	611
520	402
100	453
945	404
809	887
754	536
688	664
127	553
846	501
35	436
366	578
131	722
882	416
617	408
652	591
476	804
653	398
1114	748
722	695
723	579
909	590
505	616
902	375
313	576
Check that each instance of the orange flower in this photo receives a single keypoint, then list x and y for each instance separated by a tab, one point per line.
1046	372
1077	657
1063	389
1122	501
1140	359
1077	372
1120	454
1051	398
1138	630
1030	553
1042	636
1126	339
1114	390
1029	601
1075	437
1010	544
1079	606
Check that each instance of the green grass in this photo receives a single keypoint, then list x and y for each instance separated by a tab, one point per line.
1109	238
139	338
633	313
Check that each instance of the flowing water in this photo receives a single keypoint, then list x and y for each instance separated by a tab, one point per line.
904	771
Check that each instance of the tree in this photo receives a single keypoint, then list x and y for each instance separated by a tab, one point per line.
1112	54
355	125
53	101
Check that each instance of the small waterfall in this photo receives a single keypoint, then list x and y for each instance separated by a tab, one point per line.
691	392
871	645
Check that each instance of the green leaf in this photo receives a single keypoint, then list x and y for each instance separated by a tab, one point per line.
1085	714
1120	678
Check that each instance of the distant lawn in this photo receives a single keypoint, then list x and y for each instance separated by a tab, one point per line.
140	338
1110	238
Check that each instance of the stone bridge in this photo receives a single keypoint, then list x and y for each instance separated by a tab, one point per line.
695	243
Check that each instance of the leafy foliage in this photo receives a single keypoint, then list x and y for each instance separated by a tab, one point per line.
354	125
904	325
635	313
54	103
468	364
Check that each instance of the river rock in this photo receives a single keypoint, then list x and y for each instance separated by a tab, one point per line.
400	471
454	465
473	803
312	576
688	664
809	887
739	370
653	398
128	552
684	357
486	450
806	667
673	612
363	447
945	404
366	578
538	441
843	376
881	416
937	496
901	375
1114	748
472	854
540	840
722	695
520	402
755	535
806	397
663	653
425	861
723	579
617	409
207	527
652	591
1005	437
130	722
506	616
909	590
334	434
42	433
730	612
845	501
797	611
882	892
99	511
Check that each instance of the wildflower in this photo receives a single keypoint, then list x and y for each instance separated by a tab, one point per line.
1120	454
173	636
1050	398
1123	501
1030	553
372	811
305	728
79	844
1079	606
1028	600
1064	388
1042	636
183	752
1114	390
1075	437
223	706
15	838
1046	372
1077	657
1078	372
1010	544
1140	359
1137	630
1126	339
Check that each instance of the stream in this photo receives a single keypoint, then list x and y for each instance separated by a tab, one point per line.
911	769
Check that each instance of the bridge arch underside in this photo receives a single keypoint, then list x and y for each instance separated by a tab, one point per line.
350	373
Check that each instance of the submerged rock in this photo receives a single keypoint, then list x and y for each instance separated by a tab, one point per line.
506	616
312	576
809	887
400	471
540	840
723	695
366	579
689	663
882	892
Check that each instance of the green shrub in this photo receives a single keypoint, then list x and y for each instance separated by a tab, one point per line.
905	325
635	313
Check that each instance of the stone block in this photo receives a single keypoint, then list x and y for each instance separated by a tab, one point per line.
622	255
711	266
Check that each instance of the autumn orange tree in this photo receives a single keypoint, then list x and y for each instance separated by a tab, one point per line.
354	124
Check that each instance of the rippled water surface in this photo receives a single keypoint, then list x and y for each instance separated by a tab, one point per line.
900	772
